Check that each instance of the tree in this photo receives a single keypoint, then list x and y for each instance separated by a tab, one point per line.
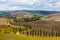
52	33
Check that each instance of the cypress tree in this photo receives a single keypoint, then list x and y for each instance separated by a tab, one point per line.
52	33
40	32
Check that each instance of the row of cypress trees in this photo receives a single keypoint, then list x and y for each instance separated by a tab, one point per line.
39	32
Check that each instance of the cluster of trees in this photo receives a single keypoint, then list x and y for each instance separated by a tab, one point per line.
30	19
26	19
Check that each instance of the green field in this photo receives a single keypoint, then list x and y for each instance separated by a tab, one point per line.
4	36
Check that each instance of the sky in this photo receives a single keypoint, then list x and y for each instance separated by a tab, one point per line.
51	5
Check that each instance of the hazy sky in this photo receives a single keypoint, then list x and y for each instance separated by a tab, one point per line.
30	5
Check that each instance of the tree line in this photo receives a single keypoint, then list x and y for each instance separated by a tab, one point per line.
37	33
28	31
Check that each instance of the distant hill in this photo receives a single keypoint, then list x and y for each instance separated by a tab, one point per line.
32	11
55	16
20	13
40	12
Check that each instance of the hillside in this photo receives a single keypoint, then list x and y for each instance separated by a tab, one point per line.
55	16
45	22
4	21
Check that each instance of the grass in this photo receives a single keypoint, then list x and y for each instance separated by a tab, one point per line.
4	36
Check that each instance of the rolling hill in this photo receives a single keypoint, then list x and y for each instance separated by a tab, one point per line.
55	16
45	25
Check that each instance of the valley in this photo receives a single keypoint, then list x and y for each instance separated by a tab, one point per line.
21	22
